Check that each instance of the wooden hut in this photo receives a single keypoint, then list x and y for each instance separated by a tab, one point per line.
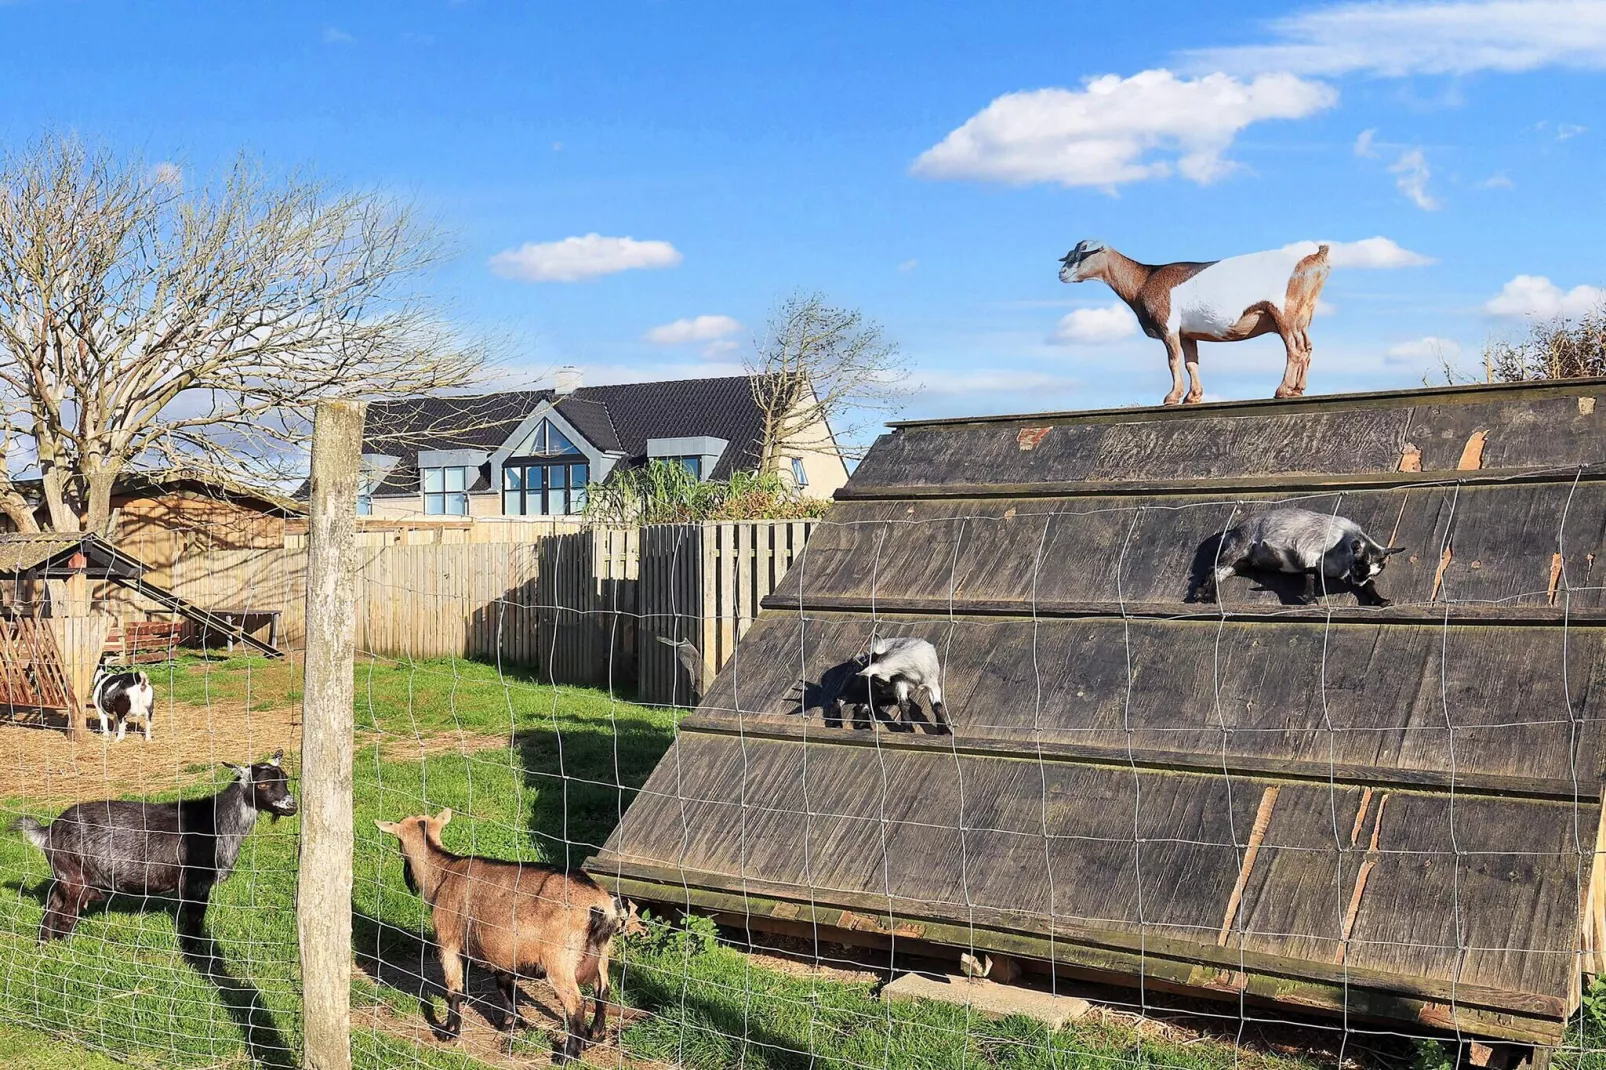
55	630
1391	814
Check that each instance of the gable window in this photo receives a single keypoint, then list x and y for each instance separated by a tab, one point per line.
550	481
446	491
365	504
800	478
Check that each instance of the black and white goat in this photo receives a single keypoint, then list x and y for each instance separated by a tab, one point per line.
96	849
896	670
121	696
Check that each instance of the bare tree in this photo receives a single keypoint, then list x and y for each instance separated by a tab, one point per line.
145	324
1548	349
821	366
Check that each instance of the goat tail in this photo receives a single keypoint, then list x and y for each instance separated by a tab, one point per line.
32	831
604	922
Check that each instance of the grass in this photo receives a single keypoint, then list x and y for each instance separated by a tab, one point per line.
531	772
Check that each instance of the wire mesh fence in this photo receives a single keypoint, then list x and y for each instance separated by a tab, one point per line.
1271	830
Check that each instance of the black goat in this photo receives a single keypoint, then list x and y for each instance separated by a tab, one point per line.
99	848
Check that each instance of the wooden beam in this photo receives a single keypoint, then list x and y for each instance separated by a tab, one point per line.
1200	968
1219	486
1369	400
1432	781
323	890
1438	614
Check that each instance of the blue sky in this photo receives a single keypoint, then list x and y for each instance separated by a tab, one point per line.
926	163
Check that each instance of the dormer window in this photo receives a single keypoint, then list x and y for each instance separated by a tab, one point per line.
548	480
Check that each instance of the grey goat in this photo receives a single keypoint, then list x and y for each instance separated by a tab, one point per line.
1323	546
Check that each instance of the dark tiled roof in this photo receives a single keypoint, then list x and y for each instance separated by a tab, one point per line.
616	419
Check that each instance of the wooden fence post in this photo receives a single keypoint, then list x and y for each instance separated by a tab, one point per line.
323	891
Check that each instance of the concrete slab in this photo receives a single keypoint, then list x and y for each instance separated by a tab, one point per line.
988	997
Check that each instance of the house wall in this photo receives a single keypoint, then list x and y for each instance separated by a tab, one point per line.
821	461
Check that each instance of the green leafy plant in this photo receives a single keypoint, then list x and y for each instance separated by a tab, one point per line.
664	492
693	934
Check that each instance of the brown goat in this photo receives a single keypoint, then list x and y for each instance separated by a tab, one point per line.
517	919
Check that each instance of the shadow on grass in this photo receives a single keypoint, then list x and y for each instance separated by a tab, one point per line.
679	1001
265	1045
584	775
244	1002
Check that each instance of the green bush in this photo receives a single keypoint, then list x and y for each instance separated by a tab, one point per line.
665	492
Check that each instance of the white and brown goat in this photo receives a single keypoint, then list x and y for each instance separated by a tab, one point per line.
1228	300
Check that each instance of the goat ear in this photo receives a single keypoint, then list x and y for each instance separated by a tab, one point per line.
278	756
1392	550
240	772
444	817
386	826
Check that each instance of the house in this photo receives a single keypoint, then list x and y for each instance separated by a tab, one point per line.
534	452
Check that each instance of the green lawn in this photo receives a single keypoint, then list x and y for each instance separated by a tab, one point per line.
531	772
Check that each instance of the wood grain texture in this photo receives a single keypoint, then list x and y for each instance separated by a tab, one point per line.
1116	747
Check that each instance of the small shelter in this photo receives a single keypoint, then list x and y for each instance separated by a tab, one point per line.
1390	814
54	636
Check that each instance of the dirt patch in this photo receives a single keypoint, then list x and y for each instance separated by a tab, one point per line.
395	748
41	762
480	1038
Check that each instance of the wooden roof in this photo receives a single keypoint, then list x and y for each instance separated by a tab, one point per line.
1391	812
50	555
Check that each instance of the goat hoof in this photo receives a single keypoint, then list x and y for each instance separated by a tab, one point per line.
1193	399
1171	399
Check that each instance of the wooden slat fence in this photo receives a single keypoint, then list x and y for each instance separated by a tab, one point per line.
581	608
702	584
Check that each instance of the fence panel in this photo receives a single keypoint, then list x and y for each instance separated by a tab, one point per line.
703	584
606	606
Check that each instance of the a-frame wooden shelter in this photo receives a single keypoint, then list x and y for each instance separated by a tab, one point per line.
1392	814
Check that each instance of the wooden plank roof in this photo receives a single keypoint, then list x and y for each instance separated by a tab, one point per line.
1390	812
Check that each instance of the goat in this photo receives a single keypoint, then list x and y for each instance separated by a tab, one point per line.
121	696
96	849
896	669
1321	545
514	918
1228	300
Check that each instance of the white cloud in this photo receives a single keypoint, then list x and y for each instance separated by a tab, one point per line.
1535	295
1412	173
1398	39
1095	326
1498	180
1324	308
1365	143
334	35
168	173
995	381
909	265
1117	130
1378	252
574	259
1568	130
1428	348
696	329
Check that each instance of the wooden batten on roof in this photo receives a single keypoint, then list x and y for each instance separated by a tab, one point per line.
63	555
1390	813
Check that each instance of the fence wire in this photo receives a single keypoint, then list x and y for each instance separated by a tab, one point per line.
1057	840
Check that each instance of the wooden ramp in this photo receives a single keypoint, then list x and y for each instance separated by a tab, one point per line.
1391	813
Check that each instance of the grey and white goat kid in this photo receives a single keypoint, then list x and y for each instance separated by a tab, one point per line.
895	672
97	849
1325	547
122	696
